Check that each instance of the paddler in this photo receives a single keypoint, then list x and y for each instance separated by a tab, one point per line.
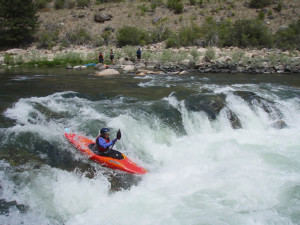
103	141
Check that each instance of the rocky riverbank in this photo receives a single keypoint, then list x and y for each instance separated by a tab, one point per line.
157	58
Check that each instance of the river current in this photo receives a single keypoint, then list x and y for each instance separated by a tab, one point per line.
220	149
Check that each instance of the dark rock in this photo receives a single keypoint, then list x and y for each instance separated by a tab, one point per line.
109	29
80	16
156	20
268	106
280	124
210	104
234	120
101	17
5	207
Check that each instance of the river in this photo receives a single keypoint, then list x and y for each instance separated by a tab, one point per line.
220	149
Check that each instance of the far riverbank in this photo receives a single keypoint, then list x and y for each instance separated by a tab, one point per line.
157	57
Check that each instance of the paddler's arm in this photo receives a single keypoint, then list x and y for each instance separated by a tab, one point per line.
103	143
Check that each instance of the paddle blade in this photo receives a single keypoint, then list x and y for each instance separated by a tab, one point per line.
119	135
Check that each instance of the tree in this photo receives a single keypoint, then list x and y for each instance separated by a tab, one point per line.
18	22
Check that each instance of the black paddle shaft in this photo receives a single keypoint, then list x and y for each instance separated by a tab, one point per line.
118	137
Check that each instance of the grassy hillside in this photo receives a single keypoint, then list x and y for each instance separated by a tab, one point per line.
78	23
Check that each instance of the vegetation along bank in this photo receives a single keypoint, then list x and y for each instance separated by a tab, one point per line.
205	35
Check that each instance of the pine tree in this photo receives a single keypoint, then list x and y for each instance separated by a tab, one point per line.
18	22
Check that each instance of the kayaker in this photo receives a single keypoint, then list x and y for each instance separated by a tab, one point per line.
103	141
139	54
101	57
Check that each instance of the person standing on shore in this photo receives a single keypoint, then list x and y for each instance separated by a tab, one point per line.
139	54
101	57
112	56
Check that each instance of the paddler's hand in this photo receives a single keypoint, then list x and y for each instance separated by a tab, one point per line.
114	141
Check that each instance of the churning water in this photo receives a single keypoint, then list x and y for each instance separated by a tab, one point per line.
220	149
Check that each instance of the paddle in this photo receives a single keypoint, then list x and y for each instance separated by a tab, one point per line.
118	137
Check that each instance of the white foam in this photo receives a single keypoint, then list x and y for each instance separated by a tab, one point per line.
208	173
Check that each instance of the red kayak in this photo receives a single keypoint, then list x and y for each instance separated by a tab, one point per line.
121	162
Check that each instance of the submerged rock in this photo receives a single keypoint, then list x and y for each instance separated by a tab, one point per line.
210	104
5	207
268	106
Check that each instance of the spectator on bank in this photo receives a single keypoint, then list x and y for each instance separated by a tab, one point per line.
139	54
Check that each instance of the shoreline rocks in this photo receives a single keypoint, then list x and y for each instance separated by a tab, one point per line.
175	61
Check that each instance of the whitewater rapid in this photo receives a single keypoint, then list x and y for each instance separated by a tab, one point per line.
201	171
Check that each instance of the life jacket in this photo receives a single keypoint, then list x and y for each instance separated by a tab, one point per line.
99	147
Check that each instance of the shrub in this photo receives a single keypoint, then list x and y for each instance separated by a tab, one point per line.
188	35
261	16
238	55
209	30
70	4
78	37
106	36
132	36
83	3
175	5
172	41
253	33
59	4
278	8
210	54
224	33
195	54
160	34
130	52
40	4
260	3
289	38
166	55
47	39
8	59
192	2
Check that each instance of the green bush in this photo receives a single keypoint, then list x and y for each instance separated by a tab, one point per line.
224	33
59	4
41	4
175	5
210	54
132	36
209	30
261	16
289	38
246	33
260	3
8	59
78	37
83	3
106	36
160	34
188	35
278	8
172	41
192	2
70	4
47	39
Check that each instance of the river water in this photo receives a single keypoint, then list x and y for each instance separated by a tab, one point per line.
219	148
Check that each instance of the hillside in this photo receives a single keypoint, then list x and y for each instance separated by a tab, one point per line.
140	14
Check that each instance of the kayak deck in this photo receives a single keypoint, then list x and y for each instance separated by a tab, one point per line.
125	164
